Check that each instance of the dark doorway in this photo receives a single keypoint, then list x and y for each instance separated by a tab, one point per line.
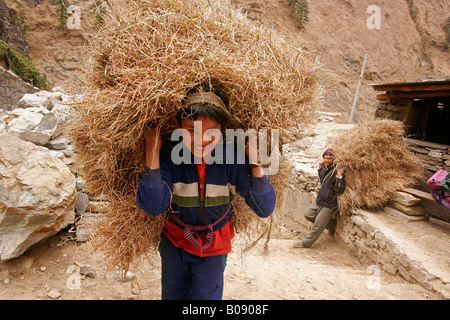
429	119
438	124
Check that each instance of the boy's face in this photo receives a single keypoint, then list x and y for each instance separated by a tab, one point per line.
201	136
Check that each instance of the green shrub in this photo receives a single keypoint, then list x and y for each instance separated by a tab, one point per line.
300	11
22	66
62	13
413	9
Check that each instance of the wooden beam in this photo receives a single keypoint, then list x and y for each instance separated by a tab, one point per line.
413	95
415	86
384	97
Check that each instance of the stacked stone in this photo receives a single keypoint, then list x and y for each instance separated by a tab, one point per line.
40	118
89	208
406	206
397	111
373	245
434	156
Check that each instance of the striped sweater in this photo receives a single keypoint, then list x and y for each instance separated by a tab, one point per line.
178	186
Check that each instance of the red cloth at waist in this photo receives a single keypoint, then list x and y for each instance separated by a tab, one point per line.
221	243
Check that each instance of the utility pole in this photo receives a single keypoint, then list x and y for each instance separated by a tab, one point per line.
357	90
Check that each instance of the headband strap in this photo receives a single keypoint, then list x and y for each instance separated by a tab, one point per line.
205	97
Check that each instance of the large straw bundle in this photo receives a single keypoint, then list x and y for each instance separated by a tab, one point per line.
146	57
377	163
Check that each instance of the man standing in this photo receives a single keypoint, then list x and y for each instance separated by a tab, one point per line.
321	211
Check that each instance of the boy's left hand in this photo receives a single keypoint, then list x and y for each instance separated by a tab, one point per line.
251	149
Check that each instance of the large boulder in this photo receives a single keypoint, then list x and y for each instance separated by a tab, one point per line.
37	195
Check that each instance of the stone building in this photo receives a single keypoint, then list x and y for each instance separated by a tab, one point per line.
424	108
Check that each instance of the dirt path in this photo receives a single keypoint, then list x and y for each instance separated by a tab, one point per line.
326	271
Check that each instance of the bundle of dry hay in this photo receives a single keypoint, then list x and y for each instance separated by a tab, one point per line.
146	57
377	163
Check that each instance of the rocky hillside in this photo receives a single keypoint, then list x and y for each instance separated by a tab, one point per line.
408	46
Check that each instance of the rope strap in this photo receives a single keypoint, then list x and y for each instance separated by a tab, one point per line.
190	231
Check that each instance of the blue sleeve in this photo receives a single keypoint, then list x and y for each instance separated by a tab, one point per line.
257	191
155	189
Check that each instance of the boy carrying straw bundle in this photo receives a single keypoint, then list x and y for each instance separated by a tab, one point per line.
197	235
147	58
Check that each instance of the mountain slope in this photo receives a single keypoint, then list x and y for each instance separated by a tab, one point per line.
403	49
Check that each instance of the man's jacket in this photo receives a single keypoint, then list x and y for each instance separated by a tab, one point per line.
331	186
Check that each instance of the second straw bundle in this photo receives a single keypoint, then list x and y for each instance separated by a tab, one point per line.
377	163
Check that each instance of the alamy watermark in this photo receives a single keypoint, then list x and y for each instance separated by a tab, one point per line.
74	20
373	282
374	21
73	282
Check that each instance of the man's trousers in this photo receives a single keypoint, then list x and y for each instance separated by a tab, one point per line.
321	218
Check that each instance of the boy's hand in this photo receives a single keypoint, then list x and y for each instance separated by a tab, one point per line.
251	150
152	147
152	138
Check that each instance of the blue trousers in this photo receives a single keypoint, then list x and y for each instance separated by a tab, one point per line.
189	277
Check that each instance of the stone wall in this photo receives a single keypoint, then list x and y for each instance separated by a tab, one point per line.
434	156
372	246
12	89
397	111
366	239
